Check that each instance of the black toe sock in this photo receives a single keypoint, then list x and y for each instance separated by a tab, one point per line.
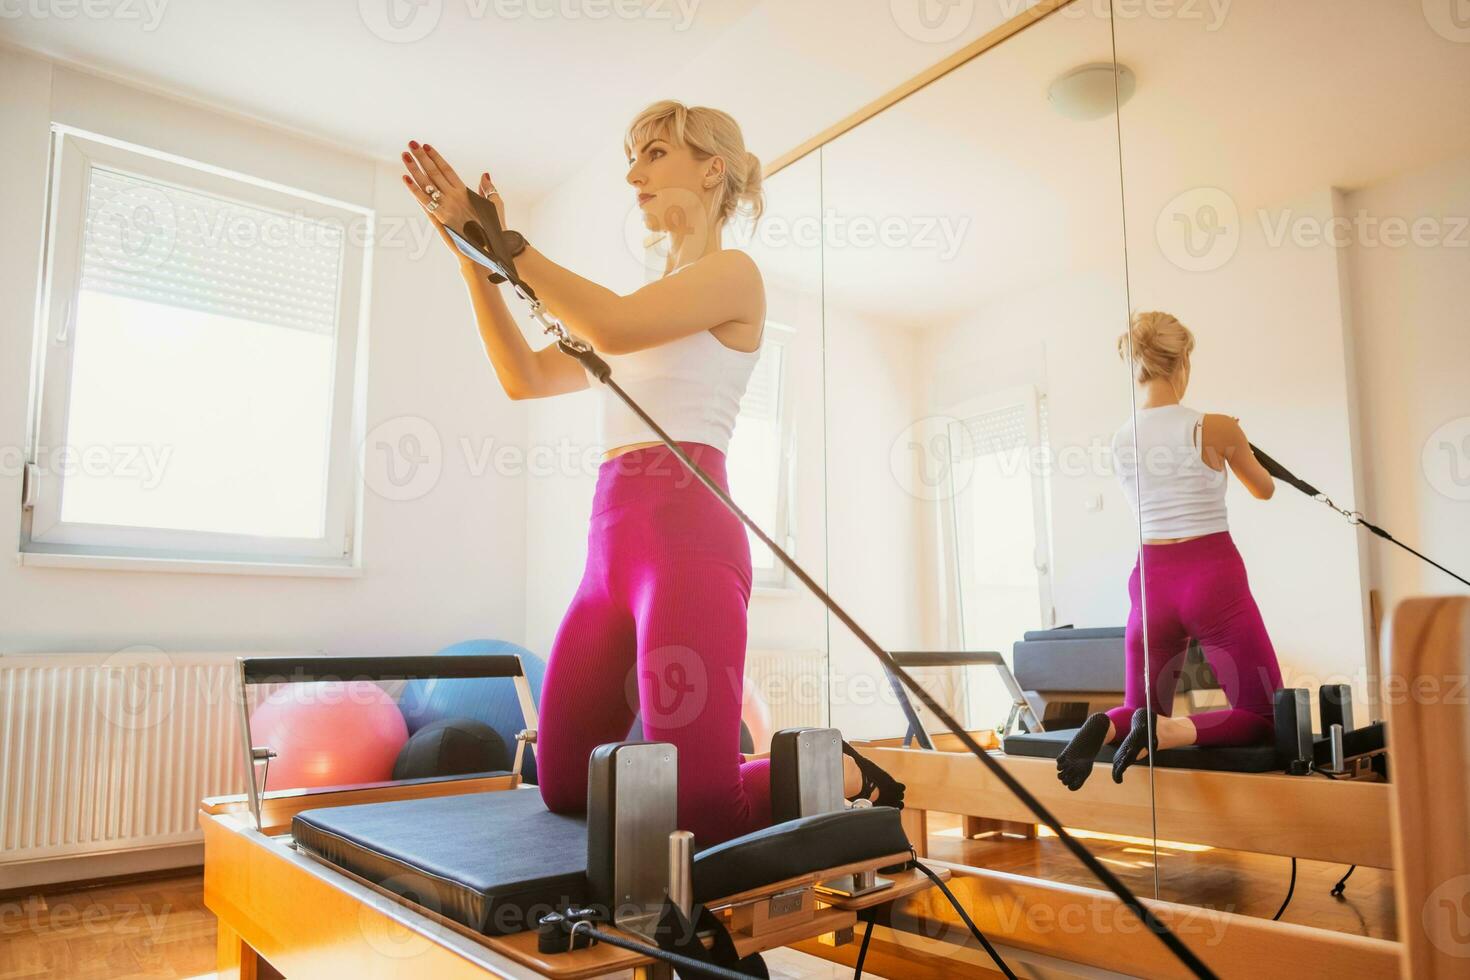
1074	765
1143	735
890	790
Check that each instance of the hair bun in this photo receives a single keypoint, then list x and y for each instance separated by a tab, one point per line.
1159	344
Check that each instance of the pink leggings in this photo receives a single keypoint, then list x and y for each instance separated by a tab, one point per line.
1198	589
659	620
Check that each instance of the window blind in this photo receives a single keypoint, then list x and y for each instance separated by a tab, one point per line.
992	433
170	245
762	399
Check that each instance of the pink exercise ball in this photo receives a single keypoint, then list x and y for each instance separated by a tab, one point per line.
757	716
329	733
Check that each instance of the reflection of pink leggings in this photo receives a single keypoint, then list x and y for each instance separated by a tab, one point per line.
665	590
1198	589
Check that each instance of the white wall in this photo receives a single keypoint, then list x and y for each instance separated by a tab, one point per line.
1409	305
445	567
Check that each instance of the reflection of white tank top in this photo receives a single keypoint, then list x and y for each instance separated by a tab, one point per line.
1174	492
691	387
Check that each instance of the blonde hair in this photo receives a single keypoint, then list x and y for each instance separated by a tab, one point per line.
708	132
1161	345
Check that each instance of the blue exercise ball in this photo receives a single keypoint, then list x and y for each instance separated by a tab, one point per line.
491	700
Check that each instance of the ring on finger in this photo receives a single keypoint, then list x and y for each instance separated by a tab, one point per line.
432	206
432	191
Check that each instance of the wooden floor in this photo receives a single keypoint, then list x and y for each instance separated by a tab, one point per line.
160	928
153	928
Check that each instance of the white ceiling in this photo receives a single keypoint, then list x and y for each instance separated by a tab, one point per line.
452	72
1276	98
533	98
1280	100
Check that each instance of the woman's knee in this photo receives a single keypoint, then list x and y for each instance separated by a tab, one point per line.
559	791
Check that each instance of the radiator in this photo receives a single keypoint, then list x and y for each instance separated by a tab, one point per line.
103	753
793	683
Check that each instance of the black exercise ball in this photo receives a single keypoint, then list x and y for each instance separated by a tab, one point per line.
452	747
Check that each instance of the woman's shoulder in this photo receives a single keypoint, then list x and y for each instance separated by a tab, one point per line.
724	260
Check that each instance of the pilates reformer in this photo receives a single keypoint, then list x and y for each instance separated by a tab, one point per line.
548	890
1055	668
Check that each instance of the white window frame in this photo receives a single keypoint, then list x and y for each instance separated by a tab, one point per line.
955	522
45	538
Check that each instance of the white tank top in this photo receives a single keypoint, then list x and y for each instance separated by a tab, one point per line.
1174	492
691	387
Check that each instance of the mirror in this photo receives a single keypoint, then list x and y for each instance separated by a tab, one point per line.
776	460
1301	205
973	285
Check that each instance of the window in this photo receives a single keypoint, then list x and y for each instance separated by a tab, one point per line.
196	352
1000	521
761	457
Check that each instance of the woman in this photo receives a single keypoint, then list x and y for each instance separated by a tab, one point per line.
1195	579
659	618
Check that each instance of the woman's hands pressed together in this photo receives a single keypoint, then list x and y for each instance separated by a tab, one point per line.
442	194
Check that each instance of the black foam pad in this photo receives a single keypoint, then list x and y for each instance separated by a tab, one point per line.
1239	758
492	861
797	847
452	747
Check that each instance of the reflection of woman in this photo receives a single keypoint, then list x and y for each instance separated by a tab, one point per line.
659	618
1194	581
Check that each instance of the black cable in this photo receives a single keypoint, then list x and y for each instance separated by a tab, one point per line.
965	916
1360	519
1290	890
1286	475
600	370
685	963
857	973
1341	885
